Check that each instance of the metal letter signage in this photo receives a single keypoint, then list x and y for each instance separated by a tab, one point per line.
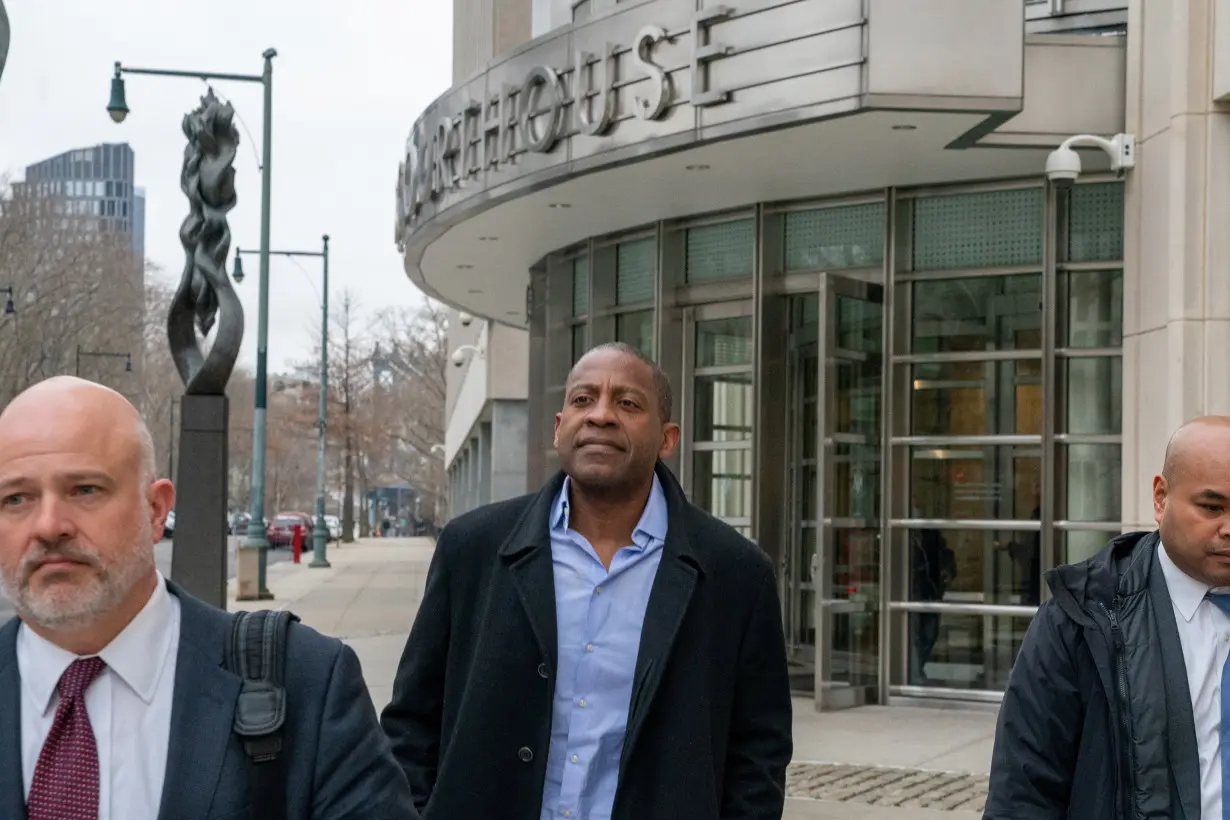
583	87
453	148
542	81
653	106
704	52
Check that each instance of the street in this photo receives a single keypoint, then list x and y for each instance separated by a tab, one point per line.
162	557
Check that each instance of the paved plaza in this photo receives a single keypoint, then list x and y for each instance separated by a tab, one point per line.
886	763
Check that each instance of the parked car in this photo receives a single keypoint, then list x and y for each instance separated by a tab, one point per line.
335	527
281	531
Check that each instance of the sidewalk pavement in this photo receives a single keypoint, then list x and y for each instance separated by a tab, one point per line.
886	763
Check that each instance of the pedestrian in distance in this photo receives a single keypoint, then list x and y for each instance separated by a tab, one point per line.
601	649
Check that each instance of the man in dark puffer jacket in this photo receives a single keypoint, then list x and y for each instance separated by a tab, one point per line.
1113	708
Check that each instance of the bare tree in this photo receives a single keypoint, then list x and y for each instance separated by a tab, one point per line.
412	360
76	285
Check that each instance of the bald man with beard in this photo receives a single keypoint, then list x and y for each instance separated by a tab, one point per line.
1115	703
114	698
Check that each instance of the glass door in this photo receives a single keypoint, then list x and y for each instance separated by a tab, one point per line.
850	365
799	567
718	403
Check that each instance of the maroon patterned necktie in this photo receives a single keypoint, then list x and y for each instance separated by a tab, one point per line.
65	785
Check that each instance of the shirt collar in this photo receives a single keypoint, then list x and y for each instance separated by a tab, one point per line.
136	655
650	529
1185	591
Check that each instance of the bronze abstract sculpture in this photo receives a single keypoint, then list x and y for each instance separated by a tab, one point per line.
205	295
205	302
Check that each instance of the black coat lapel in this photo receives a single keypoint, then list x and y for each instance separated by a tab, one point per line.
668	604
203	710
12	784
527	552
1180	725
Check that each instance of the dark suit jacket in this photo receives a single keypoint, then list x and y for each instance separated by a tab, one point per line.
338	761
709	732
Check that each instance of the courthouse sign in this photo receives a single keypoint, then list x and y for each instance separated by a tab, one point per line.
450	151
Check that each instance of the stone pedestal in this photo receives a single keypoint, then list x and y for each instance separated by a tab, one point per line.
198	558
247	572
1177	238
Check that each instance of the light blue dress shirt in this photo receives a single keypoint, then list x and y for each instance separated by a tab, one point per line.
599	615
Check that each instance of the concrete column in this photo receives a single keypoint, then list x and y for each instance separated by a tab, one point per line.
509	434
485	445
1177	246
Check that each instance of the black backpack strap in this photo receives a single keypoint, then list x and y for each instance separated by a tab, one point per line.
257	654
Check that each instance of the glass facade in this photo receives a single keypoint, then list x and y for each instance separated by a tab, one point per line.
910	401
95	184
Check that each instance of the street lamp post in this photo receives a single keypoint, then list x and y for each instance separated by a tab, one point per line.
320	532
118	109
127	357
9	307
171	439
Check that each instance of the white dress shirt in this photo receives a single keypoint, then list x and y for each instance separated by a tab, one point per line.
129	706
1204	633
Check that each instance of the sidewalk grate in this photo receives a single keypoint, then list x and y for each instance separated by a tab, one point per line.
882	786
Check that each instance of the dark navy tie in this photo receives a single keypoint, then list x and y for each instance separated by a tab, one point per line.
1222	602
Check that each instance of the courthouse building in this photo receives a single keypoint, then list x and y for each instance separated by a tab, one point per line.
891	336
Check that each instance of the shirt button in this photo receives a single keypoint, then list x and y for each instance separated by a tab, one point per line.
576	759
582	703
589	647
525	754
567	812
598	589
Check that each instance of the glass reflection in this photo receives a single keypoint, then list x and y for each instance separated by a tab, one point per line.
854	491
579	341
724	342
722	482
1095	476
859	324
1095	395
964	651
853	634
636	329
1074	546
724	408
983	483
975	566
1095	309
977	398
985	313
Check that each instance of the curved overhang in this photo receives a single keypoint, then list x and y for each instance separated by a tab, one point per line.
655	111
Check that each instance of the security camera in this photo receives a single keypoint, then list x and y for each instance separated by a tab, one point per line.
1063	166
459	355
465	319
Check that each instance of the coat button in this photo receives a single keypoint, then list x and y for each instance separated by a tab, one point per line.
525	754
542	671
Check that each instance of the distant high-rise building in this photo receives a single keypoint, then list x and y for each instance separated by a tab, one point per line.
96	181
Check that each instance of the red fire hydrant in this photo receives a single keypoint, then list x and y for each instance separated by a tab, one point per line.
296	543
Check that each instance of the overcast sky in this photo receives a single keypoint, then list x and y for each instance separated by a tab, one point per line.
349	80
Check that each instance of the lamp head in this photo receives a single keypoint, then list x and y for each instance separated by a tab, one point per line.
238	274
118	107
128	363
